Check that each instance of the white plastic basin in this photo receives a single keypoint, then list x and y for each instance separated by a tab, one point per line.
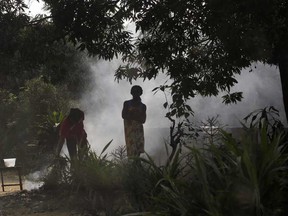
9	162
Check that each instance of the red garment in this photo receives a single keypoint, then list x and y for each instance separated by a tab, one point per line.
70	130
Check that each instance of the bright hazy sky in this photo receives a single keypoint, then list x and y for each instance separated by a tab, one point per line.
34	6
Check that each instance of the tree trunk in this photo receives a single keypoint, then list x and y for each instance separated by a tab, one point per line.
283	68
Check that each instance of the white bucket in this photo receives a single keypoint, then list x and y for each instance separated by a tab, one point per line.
9	162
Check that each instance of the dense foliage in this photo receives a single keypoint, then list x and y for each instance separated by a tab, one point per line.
29	119
199	44
31	47
40	74
244	175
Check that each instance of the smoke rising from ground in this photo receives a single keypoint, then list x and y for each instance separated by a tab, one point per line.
103	105
261	88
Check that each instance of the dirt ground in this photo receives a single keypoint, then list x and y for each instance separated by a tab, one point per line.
15	203
36	202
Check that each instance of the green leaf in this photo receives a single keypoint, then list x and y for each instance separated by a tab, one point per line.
106	146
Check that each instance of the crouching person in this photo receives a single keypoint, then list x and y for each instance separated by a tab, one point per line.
72	130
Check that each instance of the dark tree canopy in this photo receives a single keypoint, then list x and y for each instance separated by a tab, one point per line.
96	26
32	47
200	44
253	31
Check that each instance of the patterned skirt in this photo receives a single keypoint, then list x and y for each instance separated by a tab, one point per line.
134	137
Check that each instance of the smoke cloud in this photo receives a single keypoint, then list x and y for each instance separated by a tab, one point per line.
103	107
103	104
261	87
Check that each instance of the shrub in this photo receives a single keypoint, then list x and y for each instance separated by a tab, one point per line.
39	101
230	178
27	124
227	176
8	107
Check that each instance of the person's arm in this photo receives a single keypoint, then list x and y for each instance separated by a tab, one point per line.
81	133
142	116
125	113
138	114
60	145
64	129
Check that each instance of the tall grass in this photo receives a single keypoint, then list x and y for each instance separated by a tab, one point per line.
232	176
246	177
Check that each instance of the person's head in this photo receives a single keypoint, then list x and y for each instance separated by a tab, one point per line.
76	115
136	91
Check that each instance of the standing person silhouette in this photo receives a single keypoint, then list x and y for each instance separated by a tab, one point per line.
72	129
134	115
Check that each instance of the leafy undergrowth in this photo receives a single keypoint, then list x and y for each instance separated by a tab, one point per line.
245	176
